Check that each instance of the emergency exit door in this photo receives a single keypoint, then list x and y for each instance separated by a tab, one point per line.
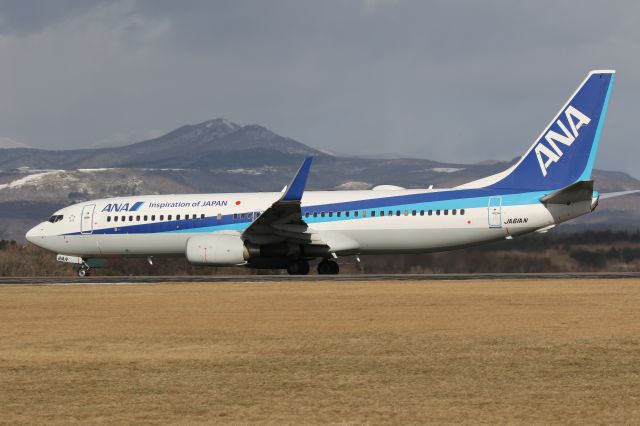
86	223
495	212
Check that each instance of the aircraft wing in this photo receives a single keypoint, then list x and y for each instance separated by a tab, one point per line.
283	219
283	222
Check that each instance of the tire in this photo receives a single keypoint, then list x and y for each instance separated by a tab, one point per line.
82	272
328	267
298	267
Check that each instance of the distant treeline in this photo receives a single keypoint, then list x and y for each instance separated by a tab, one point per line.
587	251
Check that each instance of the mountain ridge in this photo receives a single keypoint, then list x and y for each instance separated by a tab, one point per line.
221	156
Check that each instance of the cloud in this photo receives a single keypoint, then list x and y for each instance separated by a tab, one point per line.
372	6
457	81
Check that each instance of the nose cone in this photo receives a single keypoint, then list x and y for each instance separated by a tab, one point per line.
32	234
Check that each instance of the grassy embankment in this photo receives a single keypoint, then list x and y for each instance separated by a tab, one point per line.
348	353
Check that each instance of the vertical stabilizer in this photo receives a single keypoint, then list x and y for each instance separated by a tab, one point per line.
565	151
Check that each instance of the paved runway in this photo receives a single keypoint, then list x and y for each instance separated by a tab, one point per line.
306	278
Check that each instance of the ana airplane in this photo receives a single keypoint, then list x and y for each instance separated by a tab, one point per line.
549	185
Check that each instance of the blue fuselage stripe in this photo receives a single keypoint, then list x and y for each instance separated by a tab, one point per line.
454	199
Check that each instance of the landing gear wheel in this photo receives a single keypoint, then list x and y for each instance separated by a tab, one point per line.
298	267
328	267
83	271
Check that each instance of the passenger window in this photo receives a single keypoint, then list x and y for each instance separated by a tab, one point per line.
219	216
338	214
153	217
108	218
146	217
330	214
430	213
462	211
437	212
195	216
453	212
124	218
306	214
397	212
137	218
413	212
115	218
347	213
321	214
373	213
161	217
390	212
356	213
421	212
315	214
446	212
364	213
381	212
168	217
130	218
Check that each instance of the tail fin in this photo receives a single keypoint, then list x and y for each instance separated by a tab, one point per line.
565	151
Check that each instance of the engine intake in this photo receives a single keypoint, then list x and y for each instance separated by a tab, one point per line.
216	250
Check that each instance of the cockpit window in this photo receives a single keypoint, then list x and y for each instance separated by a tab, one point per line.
55	218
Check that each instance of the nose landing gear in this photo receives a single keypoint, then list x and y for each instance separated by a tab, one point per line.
84	270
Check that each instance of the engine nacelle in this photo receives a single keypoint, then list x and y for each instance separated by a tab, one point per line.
216	250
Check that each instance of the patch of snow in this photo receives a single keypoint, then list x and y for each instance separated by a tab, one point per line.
30	179
446	169
353	185
150	169
95	170
252	172
332	154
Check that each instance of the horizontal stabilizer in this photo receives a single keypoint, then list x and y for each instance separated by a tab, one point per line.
579	191
618	194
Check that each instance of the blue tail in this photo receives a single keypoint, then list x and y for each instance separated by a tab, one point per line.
565	151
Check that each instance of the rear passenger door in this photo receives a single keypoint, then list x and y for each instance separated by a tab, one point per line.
495	212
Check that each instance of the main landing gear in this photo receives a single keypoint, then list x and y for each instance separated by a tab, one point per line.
301	267
298	267
328	267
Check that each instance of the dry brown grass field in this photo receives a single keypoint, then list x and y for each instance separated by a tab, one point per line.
319	353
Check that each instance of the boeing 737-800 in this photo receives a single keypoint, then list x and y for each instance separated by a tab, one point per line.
549	185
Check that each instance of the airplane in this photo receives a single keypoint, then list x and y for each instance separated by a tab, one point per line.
550	184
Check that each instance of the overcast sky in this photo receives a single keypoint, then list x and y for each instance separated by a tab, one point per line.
461	81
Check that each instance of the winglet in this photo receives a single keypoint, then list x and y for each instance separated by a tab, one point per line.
296	188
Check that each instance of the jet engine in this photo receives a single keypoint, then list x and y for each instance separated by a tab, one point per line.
216	250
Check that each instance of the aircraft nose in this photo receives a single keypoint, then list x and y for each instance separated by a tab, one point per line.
32	234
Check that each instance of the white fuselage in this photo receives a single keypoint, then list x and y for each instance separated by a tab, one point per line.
398	221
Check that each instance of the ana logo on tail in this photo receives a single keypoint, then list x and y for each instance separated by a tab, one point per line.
552	152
